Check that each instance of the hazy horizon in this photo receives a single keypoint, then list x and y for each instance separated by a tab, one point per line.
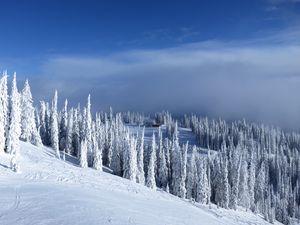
240	60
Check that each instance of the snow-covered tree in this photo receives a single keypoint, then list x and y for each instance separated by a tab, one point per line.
76	132
140	158
63	127
150	181
29	130
130	158
183	162
97	158
15	119
162	170
88	131
83	154
244	198
3	111
235	176
202	183
54	126
191	175
69	133
222	186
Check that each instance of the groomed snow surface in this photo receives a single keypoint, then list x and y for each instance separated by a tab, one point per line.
56	192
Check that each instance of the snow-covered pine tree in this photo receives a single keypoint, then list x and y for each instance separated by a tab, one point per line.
54	126
140	158
244	198
150	181
88	130
4	117
202	182
222	186
191	175
2	122
167	150
83	154
44	123
97	158
76	133
29	130
162	170
130	163
259	188
15	119
183	162
251	179
109	139
176	158
69	133
63	126
235	175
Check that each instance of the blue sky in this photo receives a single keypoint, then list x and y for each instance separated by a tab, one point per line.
223	58
33	29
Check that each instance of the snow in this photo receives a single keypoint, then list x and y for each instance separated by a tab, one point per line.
53	191
185	134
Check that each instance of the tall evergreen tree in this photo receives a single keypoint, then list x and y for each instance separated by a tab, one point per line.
162	171
150	182
83	154
192	175
63	126
4	120
69	133
15	119
183	162
97	158
88	131
202	183
29	130
54	126
140	158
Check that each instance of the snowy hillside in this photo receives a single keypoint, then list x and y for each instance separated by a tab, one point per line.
51	191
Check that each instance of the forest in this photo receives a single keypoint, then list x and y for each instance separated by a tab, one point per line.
233	164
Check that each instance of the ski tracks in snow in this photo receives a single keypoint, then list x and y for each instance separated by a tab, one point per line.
14	206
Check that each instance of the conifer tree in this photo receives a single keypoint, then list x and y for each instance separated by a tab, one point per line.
88	130
244	198
63	126
83	154
202	183
183	162
3	111
222	179
150	182
69	133
15	119
130	163
191	175
162	171
54	126
76	133
4	117
140	158
97	158
29	130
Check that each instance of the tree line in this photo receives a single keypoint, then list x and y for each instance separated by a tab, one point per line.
234	165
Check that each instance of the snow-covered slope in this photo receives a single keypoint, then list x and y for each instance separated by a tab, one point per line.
51	191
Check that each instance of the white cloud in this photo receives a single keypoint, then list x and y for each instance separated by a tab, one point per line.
214	78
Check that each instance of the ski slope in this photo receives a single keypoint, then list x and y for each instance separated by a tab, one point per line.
56	192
